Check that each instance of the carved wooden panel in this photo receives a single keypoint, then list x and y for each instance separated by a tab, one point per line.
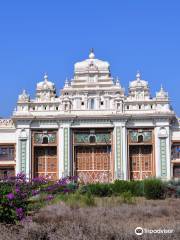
141	161
45	162
93	164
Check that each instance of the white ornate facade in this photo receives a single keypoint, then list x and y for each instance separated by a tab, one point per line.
92	129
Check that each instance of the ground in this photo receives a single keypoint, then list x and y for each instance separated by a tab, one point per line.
109	219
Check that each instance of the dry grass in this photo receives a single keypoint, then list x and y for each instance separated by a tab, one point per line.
109	220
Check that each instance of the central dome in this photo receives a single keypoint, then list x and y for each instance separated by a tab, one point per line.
91	64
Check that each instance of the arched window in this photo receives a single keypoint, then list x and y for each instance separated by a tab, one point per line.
92	139
140	138
45	140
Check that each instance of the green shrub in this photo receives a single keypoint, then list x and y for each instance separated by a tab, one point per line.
135	187
120	186
127	197
76	200
154	189
97	189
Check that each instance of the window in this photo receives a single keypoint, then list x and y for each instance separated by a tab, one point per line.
82	103
176	171
57	108
127	107
33	108
139	106
102	103
91	103
140	138
45	140
7	171
92	139
6	153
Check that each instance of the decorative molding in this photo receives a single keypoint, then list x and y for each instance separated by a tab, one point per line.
98	137
38	138
6	123
135	134
162	133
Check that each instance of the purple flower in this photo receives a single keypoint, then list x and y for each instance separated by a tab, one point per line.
66	190
35	192
27	219
10	196
17	190
49	197
19	213
39	180
21	176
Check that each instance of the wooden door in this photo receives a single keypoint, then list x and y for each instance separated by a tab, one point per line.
146	161
141	161
45	162
93	164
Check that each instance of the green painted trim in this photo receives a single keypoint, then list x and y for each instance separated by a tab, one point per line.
65	151
118	152
163	157
23	151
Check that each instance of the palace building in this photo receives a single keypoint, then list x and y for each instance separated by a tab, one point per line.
93	129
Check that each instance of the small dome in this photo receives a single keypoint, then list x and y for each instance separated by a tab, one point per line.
46	84
24	97
91	64
162	93
138	83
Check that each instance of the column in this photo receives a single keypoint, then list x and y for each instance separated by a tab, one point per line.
66	152
118	163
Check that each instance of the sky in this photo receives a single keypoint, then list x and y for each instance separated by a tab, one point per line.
51	35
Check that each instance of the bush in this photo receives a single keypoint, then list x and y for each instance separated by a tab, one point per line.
154	189
134	187
76	200
17	195
14	194
127	197
120	186
97	189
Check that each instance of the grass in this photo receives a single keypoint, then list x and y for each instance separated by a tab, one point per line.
108	218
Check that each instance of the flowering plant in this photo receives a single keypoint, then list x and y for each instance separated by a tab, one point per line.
15	193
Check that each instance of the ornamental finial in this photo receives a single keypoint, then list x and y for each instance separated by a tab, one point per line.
45	77
161	88
138	75
91	55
